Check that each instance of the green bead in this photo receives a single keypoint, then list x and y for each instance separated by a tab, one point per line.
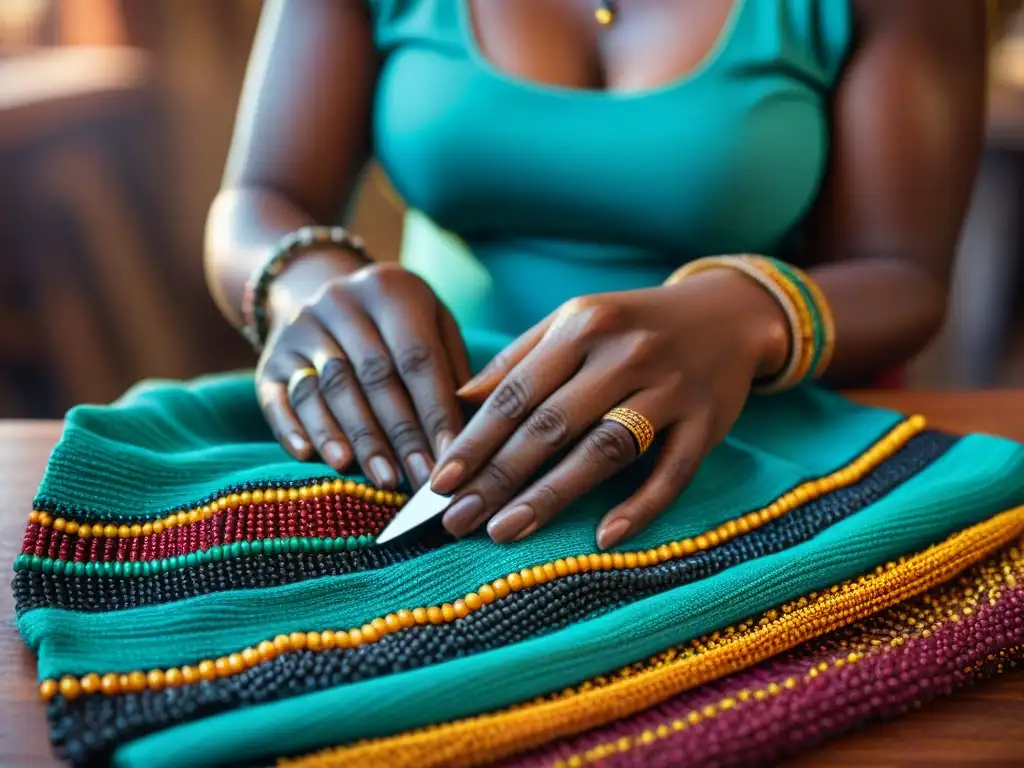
364	541
47	565
79	569
305	545
235	549
118	569
37	563
351	542
21	562
245	548
256	547
190	559
293	544
179	561
217	553
90	569
318	545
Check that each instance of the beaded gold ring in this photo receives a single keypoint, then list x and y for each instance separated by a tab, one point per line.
639	426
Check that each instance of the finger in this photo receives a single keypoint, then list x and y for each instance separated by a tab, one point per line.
272	395
605	450
394	429
555	423
311	409
541	372
422	362
455	346
684	447
481	385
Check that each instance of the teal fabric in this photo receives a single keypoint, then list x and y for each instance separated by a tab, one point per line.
553	192
168	444
979	477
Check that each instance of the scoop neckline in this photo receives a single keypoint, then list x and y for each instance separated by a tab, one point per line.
714	55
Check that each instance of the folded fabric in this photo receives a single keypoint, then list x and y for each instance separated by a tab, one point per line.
195	597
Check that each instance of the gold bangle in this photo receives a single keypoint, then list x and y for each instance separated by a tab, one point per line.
826	318
638	425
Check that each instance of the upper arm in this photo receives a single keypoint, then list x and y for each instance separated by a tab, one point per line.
303	125
907	129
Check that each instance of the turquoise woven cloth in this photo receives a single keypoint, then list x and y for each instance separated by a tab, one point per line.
132	601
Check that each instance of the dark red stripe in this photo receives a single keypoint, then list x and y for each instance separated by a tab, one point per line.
334	516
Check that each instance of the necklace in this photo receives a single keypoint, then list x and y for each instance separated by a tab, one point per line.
605	12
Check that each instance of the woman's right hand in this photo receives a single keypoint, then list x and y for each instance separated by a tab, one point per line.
388	358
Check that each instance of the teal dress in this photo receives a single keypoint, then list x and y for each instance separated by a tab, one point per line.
525	195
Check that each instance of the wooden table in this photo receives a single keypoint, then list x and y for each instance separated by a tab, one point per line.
982	726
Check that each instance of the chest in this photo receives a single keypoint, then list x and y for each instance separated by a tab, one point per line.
721	148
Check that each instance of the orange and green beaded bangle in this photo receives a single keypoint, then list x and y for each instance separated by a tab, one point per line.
807	328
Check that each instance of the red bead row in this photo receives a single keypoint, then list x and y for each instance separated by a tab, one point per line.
333	516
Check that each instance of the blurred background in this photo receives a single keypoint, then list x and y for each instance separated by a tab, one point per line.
115	118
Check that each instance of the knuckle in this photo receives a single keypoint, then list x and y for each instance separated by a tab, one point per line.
363	439
303	391
376	371
609	444
499	477
414	359
435	419
405	436
512	398
336	376
591	318
640	348
549	423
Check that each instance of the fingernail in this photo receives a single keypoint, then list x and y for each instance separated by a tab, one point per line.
335	454
382	473
611	533
464	515
298	443
419	467
444	442
447	477
512	525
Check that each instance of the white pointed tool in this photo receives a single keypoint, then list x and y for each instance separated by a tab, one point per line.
424	506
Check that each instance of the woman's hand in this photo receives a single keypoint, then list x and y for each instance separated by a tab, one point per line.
388	359
684	356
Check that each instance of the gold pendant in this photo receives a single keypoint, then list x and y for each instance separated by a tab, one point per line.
605	13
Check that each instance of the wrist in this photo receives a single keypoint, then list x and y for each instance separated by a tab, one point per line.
303	278
755	319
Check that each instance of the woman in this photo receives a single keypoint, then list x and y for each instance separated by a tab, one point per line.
583	152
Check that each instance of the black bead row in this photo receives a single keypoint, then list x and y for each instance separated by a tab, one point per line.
517	617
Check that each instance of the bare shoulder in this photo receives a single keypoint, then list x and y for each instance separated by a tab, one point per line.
956	27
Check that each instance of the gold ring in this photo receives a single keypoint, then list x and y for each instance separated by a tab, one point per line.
639	426
297	378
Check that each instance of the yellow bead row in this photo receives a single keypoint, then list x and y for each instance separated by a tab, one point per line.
500	734
205	512
502	587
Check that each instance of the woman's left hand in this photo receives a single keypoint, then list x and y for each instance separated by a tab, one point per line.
683	356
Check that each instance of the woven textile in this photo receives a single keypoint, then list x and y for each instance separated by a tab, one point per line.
197	598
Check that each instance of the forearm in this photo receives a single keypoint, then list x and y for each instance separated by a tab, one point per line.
885	310
242	230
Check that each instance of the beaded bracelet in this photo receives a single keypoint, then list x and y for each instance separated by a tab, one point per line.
811	328
254	296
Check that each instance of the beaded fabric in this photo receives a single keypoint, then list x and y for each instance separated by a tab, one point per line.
195	597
